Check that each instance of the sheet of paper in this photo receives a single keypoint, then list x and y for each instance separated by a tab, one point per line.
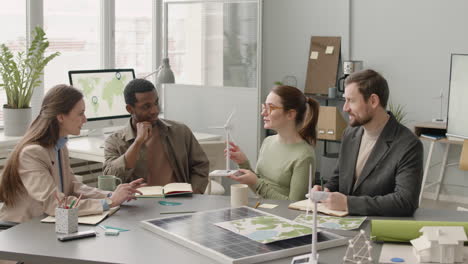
266	229
332	222
88	219
314	55
329	50
268	206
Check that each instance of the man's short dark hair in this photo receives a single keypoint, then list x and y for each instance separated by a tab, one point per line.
370	82
137	86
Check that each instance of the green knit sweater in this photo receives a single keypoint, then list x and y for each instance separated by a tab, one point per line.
283	169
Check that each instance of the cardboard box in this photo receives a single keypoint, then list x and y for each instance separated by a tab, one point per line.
331	123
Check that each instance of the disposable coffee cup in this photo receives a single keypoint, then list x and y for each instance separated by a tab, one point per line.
239	195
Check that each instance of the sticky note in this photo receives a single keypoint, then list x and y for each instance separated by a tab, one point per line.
268	206
314	55
329	50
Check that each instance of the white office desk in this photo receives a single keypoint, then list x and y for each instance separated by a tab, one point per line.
89	147
6	141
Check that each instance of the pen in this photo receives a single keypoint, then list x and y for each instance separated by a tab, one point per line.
72	203
79	199
257	205
179	212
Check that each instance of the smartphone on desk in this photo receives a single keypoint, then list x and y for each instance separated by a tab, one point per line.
77	235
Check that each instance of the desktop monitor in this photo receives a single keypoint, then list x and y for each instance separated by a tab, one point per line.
457	126
103	91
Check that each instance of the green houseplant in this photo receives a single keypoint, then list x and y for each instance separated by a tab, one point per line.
398	112
21	74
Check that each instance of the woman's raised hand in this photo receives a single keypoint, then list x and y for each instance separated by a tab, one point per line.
235	153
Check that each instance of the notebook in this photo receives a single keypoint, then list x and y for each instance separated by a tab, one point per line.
171	189
87	219
302	205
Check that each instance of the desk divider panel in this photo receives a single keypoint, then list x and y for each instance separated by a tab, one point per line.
202	107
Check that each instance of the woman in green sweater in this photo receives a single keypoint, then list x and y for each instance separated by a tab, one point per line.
283	164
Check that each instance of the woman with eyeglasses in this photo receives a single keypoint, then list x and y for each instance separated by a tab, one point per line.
282	171
37	175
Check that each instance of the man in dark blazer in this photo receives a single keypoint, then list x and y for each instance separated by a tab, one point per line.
380	166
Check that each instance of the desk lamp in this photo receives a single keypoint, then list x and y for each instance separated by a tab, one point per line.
165	74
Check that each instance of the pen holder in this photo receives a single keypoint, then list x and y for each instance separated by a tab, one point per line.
66	220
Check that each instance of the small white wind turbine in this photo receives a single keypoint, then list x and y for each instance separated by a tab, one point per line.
315	197
440	97
227	131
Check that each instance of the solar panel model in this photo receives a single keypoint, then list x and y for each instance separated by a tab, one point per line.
199	232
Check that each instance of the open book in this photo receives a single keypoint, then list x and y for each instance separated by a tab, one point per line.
302	205
87	219
175	188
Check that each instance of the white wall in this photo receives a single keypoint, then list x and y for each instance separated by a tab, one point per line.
409	42
286	35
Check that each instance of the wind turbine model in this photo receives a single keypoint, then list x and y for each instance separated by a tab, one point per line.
440	119
315	197
227	131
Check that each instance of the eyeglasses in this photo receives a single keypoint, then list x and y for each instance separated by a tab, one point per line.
270	107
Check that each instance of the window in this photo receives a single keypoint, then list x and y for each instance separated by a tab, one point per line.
213	43
13	14
133	35
72	28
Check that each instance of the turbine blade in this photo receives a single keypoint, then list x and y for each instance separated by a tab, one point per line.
228	122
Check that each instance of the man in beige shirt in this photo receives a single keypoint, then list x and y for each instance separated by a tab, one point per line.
161	151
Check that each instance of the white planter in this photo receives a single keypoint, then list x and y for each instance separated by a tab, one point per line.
16	121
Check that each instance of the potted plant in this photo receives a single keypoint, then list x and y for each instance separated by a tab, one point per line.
21	74
398	112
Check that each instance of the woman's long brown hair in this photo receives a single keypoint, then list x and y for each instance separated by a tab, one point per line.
44	131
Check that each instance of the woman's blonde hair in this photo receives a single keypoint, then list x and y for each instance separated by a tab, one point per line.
44	131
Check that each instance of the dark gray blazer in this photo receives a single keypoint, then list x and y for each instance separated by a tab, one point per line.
390	181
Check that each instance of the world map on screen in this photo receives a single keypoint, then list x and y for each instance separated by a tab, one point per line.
103	92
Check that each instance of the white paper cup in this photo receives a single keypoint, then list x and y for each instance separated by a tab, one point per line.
239	195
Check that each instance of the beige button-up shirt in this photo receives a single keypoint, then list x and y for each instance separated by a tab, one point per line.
186	157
